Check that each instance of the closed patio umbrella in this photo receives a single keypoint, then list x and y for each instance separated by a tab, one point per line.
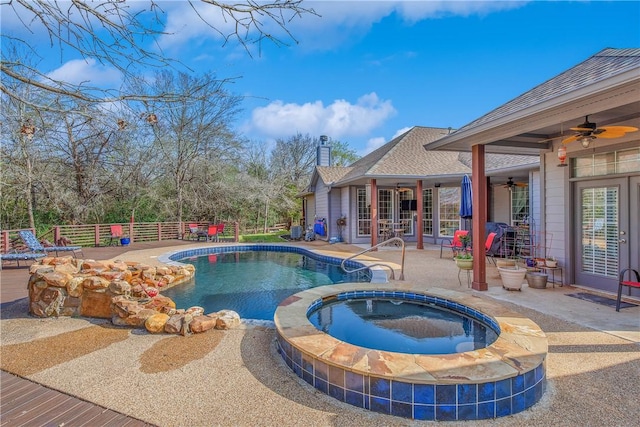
466	200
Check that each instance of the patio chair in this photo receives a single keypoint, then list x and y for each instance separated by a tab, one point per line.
35	246
455	244
487	248
192	232
628	283
212	233
22	256
116	234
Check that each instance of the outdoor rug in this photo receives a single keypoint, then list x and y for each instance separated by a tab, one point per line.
600	300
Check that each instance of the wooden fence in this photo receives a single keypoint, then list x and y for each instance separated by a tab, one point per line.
100	234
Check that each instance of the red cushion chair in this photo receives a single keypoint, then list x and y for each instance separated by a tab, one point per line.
455	244
628	283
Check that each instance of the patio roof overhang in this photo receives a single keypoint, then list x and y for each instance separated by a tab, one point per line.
531	130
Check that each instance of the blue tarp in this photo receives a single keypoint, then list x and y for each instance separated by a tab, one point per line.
318	228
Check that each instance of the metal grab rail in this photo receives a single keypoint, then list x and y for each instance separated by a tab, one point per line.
393	239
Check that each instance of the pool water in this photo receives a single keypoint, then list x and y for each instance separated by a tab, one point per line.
401	326
253	283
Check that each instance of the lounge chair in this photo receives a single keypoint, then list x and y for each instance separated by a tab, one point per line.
22	256
35	246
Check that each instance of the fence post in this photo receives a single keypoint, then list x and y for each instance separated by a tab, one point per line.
5	241
159	226
96	235
56	234
236	235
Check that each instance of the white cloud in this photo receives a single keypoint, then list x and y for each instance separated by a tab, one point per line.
339	119
373	144
89	71
337	22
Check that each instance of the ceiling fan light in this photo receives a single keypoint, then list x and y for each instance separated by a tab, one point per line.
585	141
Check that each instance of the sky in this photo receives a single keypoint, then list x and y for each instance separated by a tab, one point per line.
363	72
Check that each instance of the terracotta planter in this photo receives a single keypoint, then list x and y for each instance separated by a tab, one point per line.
512	277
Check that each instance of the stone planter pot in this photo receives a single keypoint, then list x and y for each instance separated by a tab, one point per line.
505	262
464	264
536	280
512	277
551	264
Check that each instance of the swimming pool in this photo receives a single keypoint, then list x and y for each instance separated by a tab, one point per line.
402	326
252	279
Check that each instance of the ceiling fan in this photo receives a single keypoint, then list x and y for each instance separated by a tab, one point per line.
510	184
587	131
402	189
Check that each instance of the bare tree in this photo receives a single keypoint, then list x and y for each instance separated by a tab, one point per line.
193	132
294	158
115	32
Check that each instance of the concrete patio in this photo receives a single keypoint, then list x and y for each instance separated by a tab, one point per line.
235	377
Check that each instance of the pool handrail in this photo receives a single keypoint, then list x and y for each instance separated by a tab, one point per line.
393	239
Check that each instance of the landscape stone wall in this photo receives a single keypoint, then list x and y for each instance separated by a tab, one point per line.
127	293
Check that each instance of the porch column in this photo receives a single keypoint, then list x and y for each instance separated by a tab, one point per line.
374	212
479	220
418	224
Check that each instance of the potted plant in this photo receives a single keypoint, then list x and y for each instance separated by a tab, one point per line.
465	241
464	261
512	277
536	279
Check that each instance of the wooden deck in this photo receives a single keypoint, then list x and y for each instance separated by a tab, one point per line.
29	404
25	403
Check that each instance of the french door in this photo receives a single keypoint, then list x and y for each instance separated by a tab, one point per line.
607	231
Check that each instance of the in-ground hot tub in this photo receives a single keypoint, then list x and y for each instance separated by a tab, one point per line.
504	378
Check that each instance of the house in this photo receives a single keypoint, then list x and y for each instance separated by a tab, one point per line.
402	188
583	126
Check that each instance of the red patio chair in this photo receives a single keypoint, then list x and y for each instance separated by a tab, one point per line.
487	247
212	232
116	234
628	283
455	244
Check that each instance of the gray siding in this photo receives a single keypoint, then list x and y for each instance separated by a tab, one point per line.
556	203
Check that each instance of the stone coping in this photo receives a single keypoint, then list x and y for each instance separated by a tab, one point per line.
521	345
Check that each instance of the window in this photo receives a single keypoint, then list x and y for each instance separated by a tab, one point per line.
427	212
364	213
519	205
449	210
600	231
622	161
385	205
406	217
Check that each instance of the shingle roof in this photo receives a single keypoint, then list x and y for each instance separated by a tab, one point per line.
603	65
406	156
330	174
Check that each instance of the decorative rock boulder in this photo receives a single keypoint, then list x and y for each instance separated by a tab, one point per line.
125	292
155	324
227	319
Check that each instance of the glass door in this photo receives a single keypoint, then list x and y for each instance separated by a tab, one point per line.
602	245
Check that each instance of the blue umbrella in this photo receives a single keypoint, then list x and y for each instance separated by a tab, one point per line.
466	200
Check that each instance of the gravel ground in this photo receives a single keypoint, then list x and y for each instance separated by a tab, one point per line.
236	378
